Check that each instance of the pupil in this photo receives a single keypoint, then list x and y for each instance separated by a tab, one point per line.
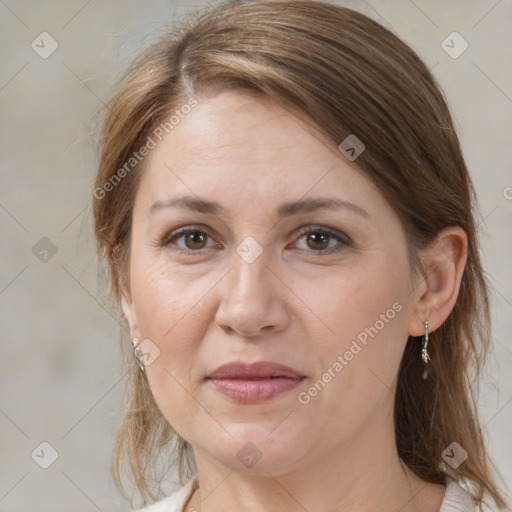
319	238
194	238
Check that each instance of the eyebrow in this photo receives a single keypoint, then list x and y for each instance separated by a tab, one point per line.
201	205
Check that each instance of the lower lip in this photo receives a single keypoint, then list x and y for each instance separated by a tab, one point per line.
254	391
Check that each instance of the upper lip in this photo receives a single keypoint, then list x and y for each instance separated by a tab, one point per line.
261	369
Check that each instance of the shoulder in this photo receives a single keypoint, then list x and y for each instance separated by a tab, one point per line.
174	502
456	499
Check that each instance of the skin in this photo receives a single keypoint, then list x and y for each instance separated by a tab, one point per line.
290	305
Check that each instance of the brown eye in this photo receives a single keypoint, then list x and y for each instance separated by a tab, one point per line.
187	240
323	241
318	240
195	240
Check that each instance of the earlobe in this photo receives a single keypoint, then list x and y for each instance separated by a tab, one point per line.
444	267
128	310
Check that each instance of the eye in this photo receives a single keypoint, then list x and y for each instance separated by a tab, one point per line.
319	240
194	239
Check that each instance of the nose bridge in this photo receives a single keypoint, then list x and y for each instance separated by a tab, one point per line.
249	273
249	298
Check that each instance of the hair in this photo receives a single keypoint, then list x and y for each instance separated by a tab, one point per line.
346	74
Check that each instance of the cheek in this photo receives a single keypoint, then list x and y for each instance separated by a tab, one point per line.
354	304
165	298
171	313
169	307
365	318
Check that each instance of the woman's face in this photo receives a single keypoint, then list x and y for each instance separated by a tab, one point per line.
326	291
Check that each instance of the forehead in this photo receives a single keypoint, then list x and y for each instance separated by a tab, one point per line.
249	150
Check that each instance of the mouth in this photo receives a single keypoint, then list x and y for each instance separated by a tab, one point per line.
256	382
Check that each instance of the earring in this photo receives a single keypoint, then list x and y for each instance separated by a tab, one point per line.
137	352
424	353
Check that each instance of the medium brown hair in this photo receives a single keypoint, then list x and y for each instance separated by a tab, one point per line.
346	74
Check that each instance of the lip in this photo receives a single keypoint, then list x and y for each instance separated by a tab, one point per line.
254	382
258	370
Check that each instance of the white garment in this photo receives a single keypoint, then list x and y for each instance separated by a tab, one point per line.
456	499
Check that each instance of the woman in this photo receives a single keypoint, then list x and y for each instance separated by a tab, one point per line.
288	221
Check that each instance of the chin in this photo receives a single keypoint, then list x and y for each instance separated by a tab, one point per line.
252	452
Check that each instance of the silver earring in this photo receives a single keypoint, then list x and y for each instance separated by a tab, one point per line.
137	352
424	353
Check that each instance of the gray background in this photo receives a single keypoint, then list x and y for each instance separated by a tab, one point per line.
61	378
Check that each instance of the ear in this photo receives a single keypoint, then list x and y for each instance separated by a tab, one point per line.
129	312
437	290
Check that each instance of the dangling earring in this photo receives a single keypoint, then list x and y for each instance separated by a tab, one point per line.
424	353
137	352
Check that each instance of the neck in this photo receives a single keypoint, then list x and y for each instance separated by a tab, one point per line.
361	474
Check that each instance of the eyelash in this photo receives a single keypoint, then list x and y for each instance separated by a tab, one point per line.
166	240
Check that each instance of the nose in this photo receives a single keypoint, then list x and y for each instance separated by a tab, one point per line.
252	301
